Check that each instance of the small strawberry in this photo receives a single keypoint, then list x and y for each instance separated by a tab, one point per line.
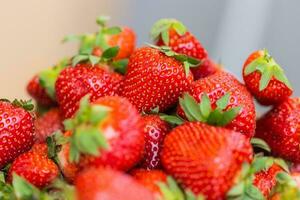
150	179
36	168
101	183
206	68
280	128
224	101
204	158
47	124
156	78
107	132
155	131
265	79
172	33
16	130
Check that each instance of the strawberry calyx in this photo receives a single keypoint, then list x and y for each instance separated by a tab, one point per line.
86	136
268	69
286	187
161	28
244	187
25	104
260	143
54	144
203	111
171	191
48	77
187	61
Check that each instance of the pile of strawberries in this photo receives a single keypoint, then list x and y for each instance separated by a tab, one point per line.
159	122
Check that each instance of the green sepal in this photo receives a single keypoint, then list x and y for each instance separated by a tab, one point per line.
27	105
112	30
102	20
79	58
110	53
286	187
6	190
120	65
54	143
259	143
161	29
172	119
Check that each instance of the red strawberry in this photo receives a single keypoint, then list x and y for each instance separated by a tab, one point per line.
16	130
47	124
265	79
40	148
36	168
172	33
107	132
206	68
155	131
154	79
75	82
204	158
39	93
280	128
219	87
150	179
96	184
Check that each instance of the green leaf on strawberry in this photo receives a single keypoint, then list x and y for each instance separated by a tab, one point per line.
259	143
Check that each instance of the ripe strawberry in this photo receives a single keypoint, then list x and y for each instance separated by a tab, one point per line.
101	183
265	79
39	93
226	93
200	156
47	124
75	82
206	68
154	79
155	131
36	168
150	179
172	33
16	130
40	148
107	132
280	128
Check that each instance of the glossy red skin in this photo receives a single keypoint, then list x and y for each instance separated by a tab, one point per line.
154	79
150	178
204	158
96	184
280	128
38	93
16	132
47	124
125	40
216	86
206	68
75	82
185	44
40	148
155	131
266	180
123	131
274	93
36	168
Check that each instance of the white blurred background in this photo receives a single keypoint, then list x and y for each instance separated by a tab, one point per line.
31	31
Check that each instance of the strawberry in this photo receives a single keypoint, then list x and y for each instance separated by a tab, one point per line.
199	156
36	91
280	128
16	130
155	131
40	148
75	82
150	179
47	124
36	168
155	78
265	79
101	183
206	68
224	101
107	132
172	33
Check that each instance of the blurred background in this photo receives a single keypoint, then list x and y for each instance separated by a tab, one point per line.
32	30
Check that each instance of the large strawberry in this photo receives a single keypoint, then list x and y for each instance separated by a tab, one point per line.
204	158
155	78
265	79
280	128
16	130
101	183
224	101
107	132
155	131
